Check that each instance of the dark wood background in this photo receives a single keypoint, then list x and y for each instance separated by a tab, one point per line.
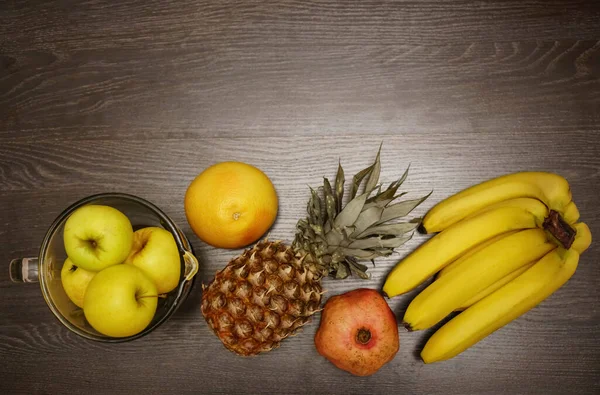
140	96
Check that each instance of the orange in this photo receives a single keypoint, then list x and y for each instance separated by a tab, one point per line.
230	204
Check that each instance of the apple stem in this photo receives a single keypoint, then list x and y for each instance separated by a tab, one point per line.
153	296
363	336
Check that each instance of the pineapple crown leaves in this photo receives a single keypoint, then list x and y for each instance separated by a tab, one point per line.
334	238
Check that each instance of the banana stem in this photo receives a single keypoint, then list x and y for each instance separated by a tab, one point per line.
560	229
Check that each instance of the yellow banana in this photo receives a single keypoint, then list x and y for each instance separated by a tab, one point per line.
502	306
523	202
497	285
581	243
475	274
571	213
583	237
517	202
472	251
552	189
445	247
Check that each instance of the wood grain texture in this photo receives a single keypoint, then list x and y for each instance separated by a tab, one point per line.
140	96
241	90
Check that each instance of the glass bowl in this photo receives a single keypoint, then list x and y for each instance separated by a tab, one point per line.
46	268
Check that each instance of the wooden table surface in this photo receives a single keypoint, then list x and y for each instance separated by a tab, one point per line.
140	96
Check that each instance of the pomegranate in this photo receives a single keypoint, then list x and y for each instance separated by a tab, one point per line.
358	332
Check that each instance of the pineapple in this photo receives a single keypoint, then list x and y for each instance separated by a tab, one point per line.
271	290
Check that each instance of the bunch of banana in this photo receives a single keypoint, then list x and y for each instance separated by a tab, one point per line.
503	246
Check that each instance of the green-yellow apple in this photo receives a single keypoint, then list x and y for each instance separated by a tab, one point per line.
155	252
120	301
97	236
75	281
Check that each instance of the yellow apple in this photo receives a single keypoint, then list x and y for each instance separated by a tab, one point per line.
120	301
155	252
97	236
75	281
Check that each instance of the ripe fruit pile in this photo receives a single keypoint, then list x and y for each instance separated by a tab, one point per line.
115	274
503	247
270	291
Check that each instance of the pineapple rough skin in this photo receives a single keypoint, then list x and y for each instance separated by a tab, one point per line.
260	298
